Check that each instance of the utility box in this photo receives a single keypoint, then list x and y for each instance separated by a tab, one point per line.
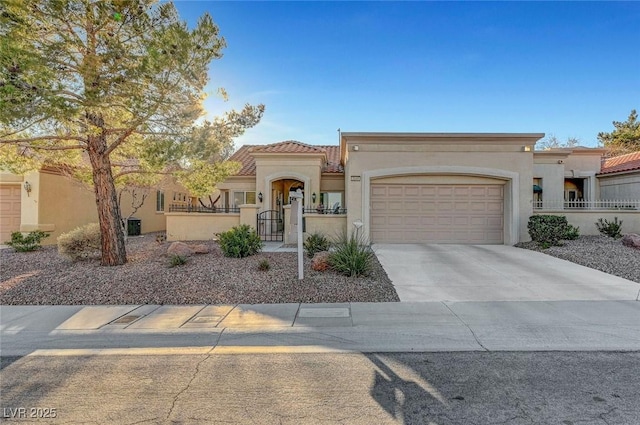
134	226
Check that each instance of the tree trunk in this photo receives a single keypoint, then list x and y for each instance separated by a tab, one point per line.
113	247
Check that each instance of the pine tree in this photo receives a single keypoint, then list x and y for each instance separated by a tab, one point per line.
110	90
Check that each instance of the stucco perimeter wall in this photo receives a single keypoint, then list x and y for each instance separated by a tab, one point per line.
198	226
330	225
586	219
507	158
623	186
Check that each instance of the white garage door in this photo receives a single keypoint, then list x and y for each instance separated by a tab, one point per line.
429	213
9	211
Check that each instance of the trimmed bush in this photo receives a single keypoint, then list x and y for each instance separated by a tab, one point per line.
80	243
315	243
547	229
613	229
30	242
573	233
239	242
352	256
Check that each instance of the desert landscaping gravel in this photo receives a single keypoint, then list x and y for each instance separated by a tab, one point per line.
597	252
43	277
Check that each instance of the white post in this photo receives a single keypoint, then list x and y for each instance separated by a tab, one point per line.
297	203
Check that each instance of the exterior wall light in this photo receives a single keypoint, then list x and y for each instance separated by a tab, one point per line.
313	197
27	188
260	196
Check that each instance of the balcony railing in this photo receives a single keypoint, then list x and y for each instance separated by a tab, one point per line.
201	209
336	210
583	204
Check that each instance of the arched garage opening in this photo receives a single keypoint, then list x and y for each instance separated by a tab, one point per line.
444	204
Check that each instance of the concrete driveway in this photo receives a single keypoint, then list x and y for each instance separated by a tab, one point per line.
424	272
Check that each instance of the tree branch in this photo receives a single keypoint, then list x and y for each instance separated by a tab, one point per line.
35	139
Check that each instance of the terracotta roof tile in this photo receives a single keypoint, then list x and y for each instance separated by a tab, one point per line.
288	146
245	157
617	164
248	163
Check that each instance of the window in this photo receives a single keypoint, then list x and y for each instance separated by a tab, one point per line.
159	201
331	200
537	191
240	198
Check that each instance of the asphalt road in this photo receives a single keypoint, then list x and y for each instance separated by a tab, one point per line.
567	388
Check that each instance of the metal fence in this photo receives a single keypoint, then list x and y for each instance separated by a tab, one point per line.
336	210
583	204
201	209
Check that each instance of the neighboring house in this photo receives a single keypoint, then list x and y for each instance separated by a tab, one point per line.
620	177
49	201
410	187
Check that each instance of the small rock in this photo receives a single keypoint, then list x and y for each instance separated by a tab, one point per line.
200	249
320	261
632	240
179	248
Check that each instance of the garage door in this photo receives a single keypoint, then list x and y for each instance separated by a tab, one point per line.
9	211
464	214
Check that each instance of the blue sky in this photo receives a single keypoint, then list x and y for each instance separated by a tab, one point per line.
562	68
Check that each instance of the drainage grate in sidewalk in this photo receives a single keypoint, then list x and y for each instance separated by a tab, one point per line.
125	320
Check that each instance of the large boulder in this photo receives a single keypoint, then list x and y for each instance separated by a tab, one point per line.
632	240
320	261
179	248
200	249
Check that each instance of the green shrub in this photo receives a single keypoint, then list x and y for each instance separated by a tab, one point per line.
550	229
613	229
31	242
264	265
239	242
80	243
572	233
352	256
177	260
316	242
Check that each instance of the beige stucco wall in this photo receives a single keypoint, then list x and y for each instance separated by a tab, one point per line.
621	186
586	219
552	175
58	204
330	225
249	215
508	162
198	226
9	178
438	179
583	161
306	168
332	183
245	183
62	205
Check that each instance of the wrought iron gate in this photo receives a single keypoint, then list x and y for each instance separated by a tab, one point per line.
271	226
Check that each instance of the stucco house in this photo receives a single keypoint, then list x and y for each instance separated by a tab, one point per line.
620	177
469	188
49	201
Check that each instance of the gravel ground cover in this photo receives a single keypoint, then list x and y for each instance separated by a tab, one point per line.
597	252
43	277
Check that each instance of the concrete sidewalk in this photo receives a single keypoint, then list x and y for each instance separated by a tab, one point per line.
357	327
